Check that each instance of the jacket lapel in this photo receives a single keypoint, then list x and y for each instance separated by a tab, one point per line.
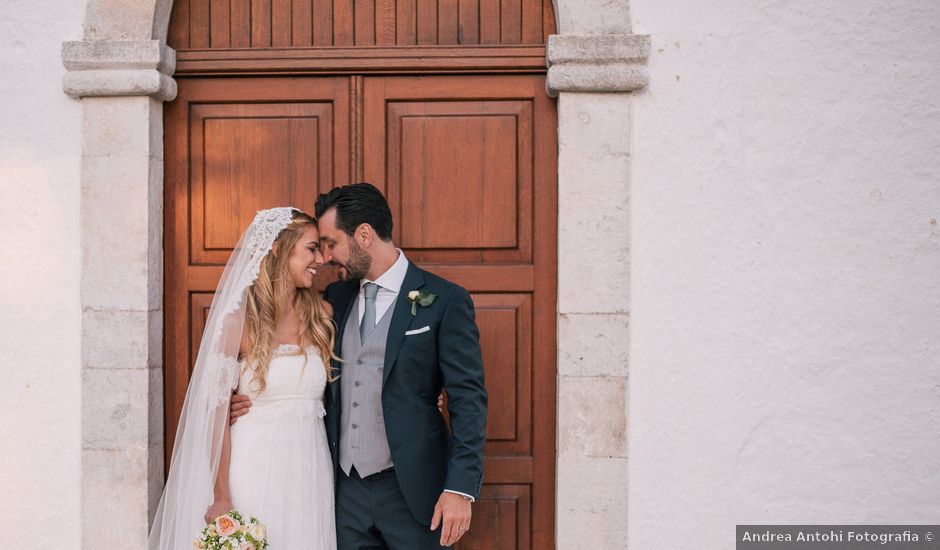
401	318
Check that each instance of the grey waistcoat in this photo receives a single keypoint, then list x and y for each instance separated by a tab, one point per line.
362	439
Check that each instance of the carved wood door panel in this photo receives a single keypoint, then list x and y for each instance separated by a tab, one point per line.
468	166
232	147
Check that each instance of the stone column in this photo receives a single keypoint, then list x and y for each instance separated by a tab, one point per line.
592	76
122	84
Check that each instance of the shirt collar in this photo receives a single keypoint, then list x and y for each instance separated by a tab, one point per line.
394	277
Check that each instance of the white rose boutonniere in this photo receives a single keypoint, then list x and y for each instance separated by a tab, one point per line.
421	298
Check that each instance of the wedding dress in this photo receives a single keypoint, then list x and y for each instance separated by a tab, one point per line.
280	469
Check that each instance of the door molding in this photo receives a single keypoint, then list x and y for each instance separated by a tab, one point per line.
393	60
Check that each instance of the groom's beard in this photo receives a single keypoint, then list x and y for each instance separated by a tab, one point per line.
359	262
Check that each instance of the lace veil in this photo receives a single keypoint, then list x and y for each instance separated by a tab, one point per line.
195	463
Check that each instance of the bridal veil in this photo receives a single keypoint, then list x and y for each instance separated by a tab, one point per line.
197	449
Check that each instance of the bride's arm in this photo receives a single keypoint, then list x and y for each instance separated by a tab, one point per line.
223	498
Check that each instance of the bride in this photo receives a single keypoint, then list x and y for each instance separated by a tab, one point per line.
270	336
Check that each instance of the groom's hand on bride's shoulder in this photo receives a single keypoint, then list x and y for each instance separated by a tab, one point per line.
239	407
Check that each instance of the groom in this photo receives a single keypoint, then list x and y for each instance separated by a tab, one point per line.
403	481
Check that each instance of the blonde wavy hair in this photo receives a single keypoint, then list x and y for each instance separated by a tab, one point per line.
266	304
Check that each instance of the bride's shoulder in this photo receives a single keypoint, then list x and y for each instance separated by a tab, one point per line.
234	333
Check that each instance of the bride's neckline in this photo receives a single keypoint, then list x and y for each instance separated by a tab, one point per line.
283	349
287	347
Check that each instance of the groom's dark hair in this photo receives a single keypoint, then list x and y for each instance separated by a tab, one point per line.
355	205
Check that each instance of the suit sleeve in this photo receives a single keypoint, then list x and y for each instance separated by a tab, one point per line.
462	369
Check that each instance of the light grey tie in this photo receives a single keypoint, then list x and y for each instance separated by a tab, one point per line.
368	319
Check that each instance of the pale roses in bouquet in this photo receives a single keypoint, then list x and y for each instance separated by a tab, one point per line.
232	531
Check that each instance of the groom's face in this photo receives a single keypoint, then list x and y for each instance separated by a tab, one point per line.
341	249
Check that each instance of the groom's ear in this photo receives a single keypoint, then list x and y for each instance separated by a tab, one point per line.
364	234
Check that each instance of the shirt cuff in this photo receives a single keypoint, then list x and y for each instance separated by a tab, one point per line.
465	495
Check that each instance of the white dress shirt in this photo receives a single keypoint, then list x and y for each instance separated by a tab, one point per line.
389	288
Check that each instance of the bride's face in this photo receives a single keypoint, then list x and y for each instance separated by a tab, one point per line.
305	258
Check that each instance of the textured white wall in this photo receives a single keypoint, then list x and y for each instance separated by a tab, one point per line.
40	316
785	323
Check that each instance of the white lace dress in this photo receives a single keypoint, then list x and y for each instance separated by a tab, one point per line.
280	468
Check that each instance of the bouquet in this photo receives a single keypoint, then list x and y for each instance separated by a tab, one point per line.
232	531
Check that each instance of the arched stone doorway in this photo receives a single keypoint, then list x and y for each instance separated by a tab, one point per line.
122	71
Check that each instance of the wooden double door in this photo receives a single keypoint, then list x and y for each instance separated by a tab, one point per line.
468	166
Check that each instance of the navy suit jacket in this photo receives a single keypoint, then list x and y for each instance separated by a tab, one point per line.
427	458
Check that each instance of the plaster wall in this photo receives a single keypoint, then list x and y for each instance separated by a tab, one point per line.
40	268
785	281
